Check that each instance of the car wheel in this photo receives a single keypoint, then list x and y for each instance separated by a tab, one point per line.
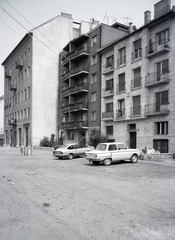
107	162
95	162
70	156
134	158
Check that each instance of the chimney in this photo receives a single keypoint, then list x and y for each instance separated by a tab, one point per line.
130	27
161	8
147	17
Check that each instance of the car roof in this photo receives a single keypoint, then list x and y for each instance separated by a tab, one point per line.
113	143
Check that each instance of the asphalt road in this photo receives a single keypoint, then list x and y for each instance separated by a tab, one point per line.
45	198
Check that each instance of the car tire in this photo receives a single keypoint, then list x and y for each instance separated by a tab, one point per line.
70	156
107	162
134	158
95	162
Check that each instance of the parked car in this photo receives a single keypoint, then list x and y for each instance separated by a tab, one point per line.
107	153
70	151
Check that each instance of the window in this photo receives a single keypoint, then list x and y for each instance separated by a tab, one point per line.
162	68
18	115
94	41
121	85
93	116
161	128
122	57
162	97
28	92
136	105
29	52
25	94
21	114
109	85
21	96
162	37
25	55
94	97
94	59
21	76
109	130
110	61
109	107
137	78
161	145
28	112
137	50
121	146
25	113
93	78
18	97
28	71
25	73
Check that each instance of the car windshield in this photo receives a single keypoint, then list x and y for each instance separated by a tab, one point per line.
101	147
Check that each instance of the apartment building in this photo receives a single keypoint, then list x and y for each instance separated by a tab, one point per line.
138	94
80	81
31	80
1	120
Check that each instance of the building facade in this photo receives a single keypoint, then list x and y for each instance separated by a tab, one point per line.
31	81
1	120
80	82
138	94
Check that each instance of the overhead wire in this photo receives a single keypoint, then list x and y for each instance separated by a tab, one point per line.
32	25
27	29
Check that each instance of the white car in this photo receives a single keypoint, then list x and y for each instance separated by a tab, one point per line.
70	151
109	152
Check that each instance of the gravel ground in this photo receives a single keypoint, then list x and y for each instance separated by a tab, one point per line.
46	198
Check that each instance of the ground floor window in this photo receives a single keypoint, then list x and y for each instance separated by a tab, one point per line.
161	145
109	130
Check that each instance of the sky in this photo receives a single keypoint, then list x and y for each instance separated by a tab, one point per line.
17	17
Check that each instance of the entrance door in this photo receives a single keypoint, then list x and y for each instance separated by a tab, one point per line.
27	137
14	136
133	136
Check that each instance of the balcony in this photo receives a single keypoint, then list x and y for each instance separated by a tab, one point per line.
120	113
121	61
108	68
13	86
65	58
155	48
12	122
76	89
156	109
79	106
108	92
136	83
75	107
75	124
8	74
107	115
80	53
80	70
137	54
157	79
19	64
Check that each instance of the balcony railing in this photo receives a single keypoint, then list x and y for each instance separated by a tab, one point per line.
135	83
137	54
107	92
108	67
75	124
19	64
12	86
120	113
12	122
81	52
135	111
76	89
8	74
156	109
77	106
108	115
121	61
83	69
157	78
156	47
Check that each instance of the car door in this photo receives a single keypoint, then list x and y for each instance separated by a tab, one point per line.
112	148
79	150
123	153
